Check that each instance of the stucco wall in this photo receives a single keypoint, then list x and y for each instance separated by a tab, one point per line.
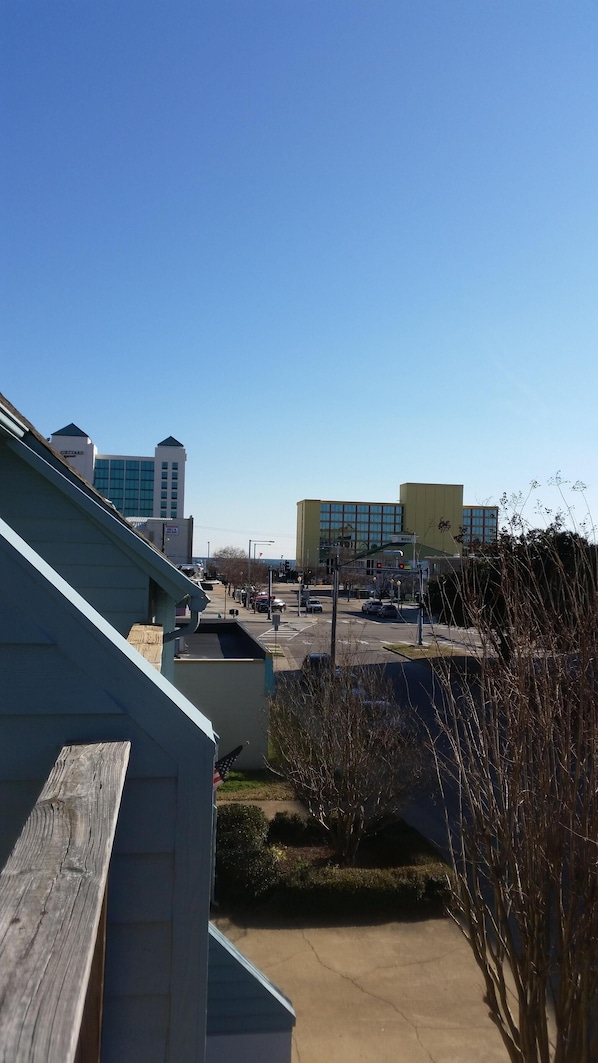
232	694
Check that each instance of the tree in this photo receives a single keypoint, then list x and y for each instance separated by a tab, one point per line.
343	743
545	558
231	563
518	761
259	574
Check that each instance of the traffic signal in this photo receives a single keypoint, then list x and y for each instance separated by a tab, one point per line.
401	565
378	565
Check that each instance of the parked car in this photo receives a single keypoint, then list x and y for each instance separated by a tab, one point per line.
371	606
316	663
314	605
388	612
276	604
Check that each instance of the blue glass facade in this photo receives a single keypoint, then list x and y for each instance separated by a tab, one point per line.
480	525
357	526
128	483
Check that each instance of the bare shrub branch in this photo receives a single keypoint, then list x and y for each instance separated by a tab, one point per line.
344	744
517	758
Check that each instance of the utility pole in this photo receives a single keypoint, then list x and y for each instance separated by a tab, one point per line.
335	583
420	608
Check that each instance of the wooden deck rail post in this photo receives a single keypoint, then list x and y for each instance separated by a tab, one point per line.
52	911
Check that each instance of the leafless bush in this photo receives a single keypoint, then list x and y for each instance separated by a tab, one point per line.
517	758
345	745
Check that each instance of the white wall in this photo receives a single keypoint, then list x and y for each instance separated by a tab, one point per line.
231	693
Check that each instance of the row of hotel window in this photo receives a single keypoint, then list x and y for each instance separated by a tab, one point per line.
133	475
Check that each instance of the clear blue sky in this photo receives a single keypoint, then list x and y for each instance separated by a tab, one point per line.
330	245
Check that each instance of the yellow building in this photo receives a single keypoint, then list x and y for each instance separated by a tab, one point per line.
428	520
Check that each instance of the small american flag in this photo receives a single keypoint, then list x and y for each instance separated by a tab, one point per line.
223	766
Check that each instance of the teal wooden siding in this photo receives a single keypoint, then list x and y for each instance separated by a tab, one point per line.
67	678
75	546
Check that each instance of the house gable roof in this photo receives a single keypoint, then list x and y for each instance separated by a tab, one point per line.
87	680
62	617
30	446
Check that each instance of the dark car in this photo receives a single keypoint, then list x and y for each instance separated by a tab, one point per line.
316	663
371	607
388	612
276	604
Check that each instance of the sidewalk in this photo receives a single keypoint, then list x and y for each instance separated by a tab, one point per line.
403	992
393	992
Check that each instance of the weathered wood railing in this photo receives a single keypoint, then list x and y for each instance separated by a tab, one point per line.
52	911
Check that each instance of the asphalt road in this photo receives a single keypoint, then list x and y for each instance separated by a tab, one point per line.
359	636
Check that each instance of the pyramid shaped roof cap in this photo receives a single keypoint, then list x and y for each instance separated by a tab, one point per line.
70	430
170	441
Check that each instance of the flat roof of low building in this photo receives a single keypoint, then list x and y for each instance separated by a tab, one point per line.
221	640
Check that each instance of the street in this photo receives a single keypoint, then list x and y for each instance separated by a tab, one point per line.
360	637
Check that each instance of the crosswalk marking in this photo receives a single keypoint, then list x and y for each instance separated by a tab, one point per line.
281	634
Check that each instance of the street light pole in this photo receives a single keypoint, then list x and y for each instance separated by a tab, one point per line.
256	542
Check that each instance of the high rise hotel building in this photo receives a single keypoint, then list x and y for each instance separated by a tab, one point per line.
138	486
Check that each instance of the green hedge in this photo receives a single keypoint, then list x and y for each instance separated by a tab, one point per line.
246	867
240	826
248	870
361	891
290	828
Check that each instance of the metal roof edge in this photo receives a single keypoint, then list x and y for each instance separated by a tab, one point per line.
10	424
251	969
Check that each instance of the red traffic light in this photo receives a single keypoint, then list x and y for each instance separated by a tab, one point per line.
378	564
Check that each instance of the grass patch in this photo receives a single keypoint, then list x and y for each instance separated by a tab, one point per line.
254	786
417	653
